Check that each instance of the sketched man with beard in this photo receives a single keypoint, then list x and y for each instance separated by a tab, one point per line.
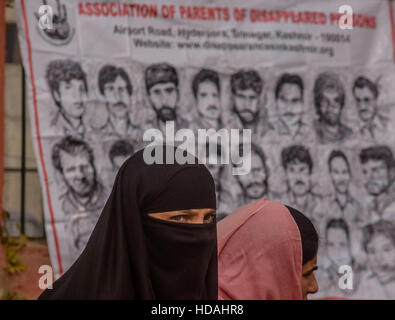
255	184
378	170
213	155
329	99
116	88
161	81
85	195
248	111
298	166
74	160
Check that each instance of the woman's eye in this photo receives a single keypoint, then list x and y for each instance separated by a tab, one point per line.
209	217
179	218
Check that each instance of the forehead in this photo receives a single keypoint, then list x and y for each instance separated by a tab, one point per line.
163	86
363	92
290	89
337	234
207	85
380	238
246	92
296	163
119	81
330	93
338	162
72	82
374	163
70	159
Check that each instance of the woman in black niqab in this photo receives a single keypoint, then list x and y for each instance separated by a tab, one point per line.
131	255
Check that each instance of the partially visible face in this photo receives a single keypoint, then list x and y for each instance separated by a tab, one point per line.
366	103
78	173
72	97
215	170
298	177
196	216
338	247
164	98
246	103
117	97
254	184
340	174
82	229
330	106
377	177
381	255
309	282
290	103
208	100
119	160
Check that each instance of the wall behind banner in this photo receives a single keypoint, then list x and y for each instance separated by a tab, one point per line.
307	46
19	166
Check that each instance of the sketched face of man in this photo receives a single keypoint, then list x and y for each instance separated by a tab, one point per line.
72	96
381	255
377	176
254	184
330	106
366	103
117	97
290	103
82	229
78	173
338	247
340	174
298	177
208	100
164	98
246	103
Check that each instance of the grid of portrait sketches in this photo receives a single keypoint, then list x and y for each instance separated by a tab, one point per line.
322	141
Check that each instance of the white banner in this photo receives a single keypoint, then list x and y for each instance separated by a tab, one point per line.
312	80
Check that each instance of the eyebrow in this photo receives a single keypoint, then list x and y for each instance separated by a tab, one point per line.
189	211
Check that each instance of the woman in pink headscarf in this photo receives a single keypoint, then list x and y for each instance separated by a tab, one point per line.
266	251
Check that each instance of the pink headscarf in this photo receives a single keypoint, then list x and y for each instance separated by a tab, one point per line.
259	254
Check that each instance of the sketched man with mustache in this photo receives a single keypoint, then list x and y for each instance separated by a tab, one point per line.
341	204
290	106
298	166
85	195
329	100
116	88
206	90
373	122
378	170
248	109
161	82
255	184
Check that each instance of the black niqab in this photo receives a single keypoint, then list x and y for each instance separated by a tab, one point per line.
131	255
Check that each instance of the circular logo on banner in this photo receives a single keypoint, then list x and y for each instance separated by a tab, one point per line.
54	24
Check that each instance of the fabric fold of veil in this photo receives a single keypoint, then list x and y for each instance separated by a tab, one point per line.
131	255
259	254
